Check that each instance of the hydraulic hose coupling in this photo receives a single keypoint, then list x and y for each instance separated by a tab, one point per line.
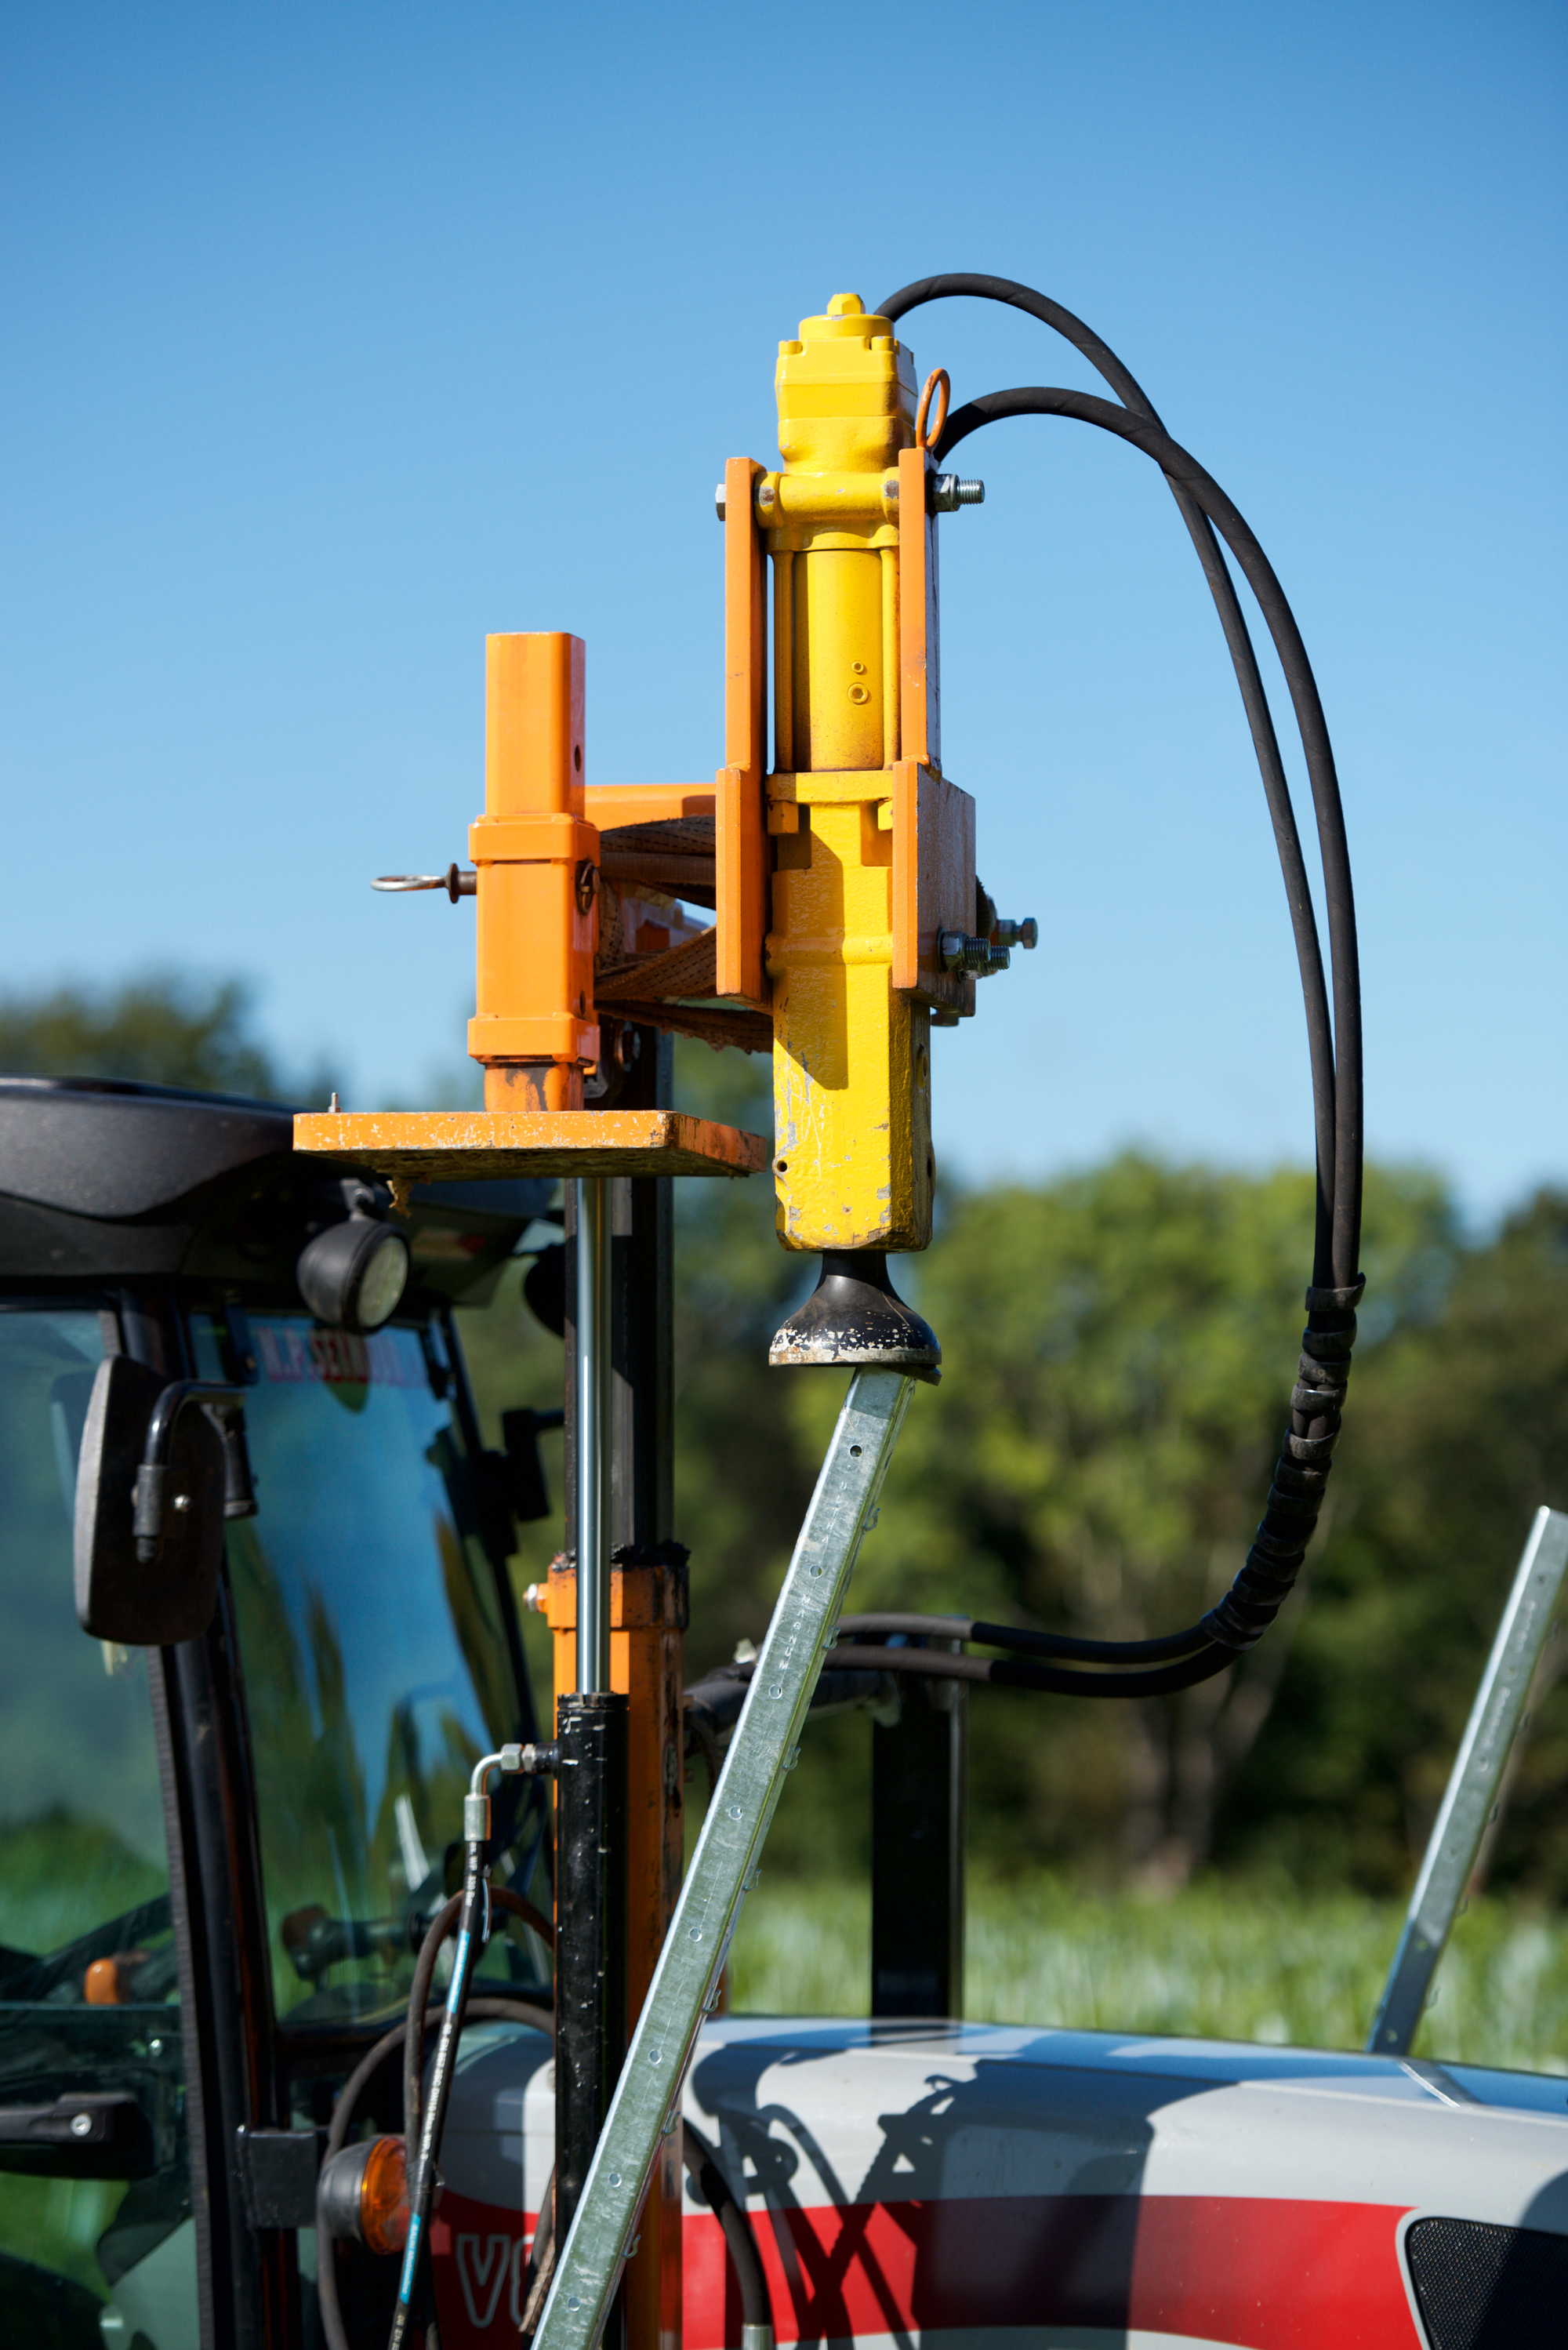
538	1760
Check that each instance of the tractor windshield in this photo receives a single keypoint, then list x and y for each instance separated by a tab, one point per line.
88	1998
376	1662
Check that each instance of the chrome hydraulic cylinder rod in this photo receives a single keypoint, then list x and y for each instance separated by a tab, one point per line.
1473	1783
593	1364
647	2102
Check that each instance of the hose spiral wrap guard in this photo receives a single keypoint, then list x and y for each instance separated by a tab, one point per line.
1300	1473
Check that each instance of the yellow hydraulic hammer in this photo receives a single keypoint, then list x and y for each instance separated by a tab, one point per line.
878	921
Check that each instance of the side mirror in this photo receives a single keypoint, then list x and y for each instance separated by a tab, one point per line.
151	1496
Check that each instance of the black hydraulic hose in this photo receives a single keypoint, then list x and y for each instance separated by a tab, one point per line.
1200	1663
1088	408
1295	1496
1202	1660
423	2145
703	2161
1255	702
1057	1681
441	1924
1031	1643
479	2011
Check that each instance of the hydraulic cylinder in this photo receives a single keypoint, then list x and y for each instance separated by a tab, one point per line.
851	1054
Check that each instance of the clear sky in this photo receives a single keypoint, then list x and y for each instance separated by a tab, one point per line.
336	335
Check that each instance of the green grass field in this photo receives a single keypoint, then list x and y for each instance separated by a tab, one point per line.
1227	1958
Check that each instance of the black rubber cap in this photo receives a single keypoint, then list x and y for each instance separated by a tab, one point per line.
855	1318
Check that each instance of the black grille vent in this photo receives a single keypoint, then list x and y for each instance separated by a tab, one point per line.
1482	2288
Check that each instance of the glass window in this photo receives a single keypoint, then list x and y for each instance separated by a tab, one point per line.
88	1999
375	1661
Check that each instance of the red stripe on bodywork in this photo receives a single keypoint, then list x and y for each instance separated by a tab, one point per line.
478	2259
1255	2272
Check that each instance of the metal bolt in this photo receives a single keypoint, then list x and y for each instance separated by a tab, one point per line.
181	1501
719	501
1018	934
959	951
81	2125
948	493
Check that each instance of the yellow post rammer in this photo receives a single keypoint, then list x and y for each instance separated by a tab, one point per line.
876	914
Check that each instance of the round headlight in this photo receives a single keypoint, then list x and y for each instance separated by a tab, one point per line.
382	1282
353	1273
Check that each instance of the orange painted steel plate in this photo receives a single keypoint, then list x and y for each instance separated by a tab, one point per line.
452	1146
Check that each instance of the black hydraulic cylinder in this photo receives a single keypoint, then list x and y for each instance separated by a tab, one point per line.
919	1775
590	1944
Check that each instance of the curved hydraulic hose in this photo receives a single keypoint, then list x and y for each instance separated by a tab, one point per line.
479	2011
441	1925
703	2161
1179	464
1295	1495
1255	702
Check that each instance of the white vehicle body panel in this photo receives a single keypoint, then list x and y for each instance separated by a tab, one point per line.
971	2186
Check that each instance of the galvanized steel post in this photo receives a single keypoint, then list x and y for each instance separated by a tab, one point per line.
1474	1783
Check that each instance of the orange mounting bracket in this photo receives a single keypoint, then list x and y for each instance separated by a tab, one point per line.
740	845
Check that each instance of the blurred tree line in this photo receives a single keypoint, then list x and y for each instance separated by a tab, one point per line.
164	1027
1118	1346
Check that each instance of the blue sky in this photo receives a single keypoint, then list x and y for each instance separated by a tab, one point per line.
338	336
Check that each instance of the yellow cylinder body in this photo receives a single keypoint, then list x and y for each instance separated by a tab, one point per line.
838	687
851	1056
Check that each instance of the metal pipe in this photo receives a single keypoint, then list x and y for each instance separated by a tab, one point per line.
1474	1784
593	1379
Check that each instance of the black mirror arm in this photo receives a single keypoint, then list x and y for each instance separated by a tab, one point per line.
148	1500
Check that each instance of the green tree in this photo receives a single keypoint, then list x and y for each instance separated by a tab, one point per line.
163	1028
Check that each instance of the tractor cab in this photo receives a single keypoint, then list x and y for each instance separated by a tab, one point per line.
218	1856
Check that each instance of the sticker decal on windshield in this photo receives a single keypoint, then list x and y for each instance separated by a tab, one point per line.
305	1353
